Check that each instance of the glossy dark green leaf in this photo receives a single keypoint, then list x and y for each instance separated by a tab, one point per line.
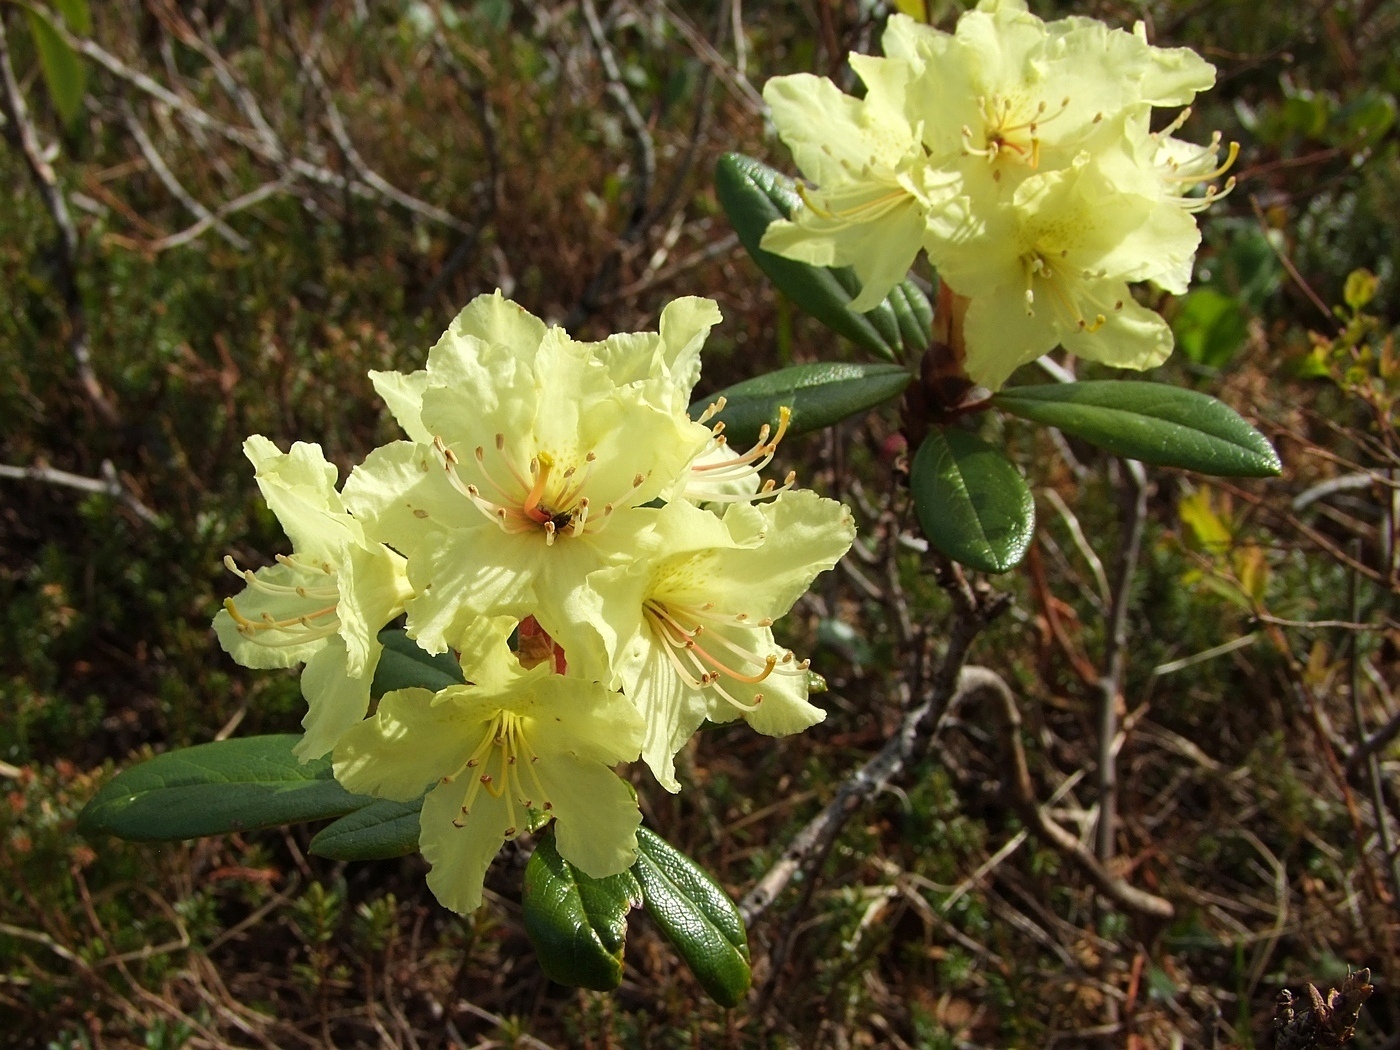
577	924
213	789
1152	422
64	73
697	917
753	195
819	395
972	501
914	313
403	665
380	830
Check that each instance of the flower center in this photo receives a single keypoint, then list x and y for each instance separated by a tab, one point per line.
544	499
701	655
503	765
1011	128
316	619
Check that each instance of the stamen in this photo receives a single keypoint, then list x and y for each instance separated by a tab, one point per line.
259	584
714	408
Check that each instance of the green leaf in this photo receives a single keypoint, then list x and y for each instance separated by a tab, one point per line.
1360	289
76	14
819	395
1209	327
697	917
972	501
753	195
213	789
1153	422
380	830
64	74
403	665
914	313
577	924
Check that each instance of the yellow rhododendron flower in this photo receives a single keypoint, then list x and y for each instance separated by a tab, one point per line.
1018	154
322	605
502	756
1052	268
872	181
534	461
689	628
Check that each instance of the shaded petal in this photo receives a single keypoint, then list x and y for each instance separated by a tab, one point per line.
299	487
460	855
802	535
275	647
402	496
335	698
1002	335
784	709
569	716
1131	337
471	573
672	710
408	743
403	393
373	589
596	815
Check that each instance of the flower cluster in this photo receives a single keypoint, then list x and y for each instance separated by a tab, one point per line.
1018	154
606	569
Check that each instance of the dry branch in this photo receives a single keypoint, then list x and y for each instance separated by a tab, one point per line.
108	485
1023	795
25	137
952	684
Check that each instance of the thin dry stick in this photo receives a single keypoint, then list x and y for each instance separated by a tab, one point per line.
25	137
1372	745
247	200
1115	652
1127	897
641	136
108	485
260	140
1373	765
952	684
363	172
171	183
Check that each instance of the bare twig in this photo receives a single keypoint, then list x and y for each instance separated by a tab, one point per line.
952	684
167	178
1134	515
1287	264
25	137
1372	745
241	203
1372	760
261	140
733	77
108	485
363	171
641	135
1125	896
